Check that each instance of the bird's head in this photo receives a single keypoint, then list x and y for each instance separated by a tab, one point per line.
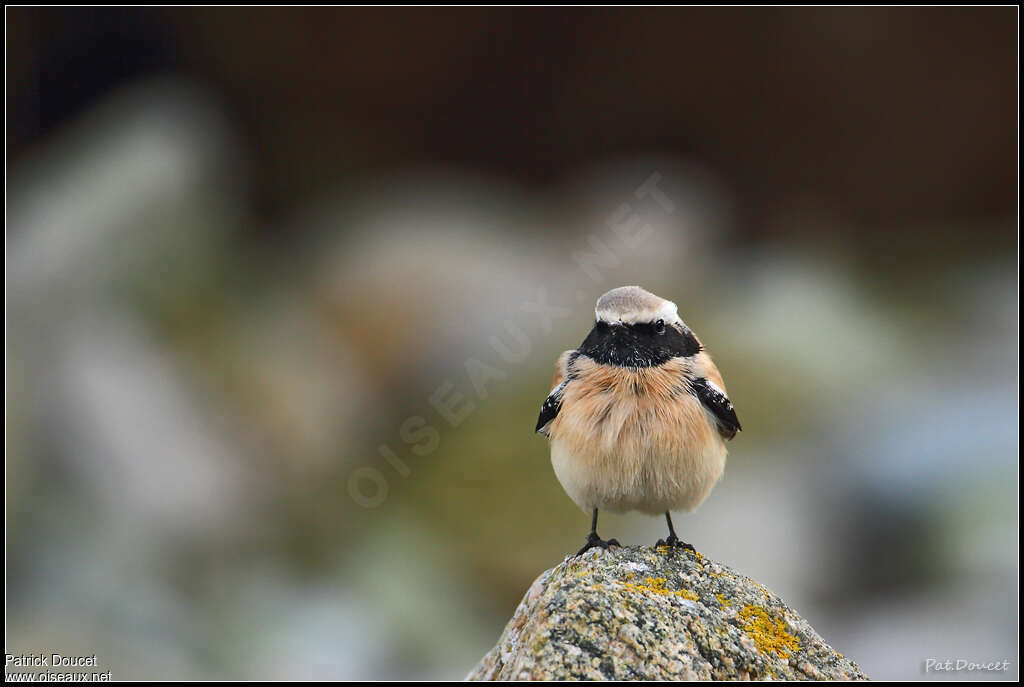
636	328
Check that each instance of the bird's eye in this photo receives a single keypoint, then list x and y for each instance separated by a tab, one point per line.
659	326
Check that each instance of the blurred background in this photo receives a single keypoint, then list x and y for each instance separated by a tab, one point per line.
285	289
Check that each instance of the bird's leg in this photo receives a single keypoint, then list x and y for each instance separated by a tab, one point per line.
594	541
673	540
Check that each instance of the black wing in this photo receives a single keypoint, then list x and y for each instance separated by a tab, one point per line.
548	411
712	398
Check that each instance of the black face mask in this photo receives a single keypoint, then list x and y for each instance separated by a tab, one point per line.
644	344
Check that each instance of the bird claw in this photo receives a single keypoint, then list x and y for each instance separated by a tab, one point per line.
675	542
595	542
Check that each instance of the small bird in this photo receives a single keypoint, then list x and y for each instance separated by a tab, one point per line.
638	415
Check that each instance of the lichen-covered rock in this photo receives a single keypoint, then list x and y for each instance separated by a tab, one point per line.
638	613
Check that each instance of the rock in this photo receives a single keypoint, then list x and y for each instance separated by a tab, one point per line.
637	613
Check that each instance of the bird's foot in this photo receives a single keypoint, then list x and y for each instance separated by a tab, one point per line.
595	542
675	542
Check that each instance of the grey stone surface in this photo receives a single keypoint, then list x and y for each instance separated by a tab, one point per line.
639	613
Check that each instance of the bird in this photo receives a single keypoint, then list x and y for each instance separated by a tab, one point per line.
638	416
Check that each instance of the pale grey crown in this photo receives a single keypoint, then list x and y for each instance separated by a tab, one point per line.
632	305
